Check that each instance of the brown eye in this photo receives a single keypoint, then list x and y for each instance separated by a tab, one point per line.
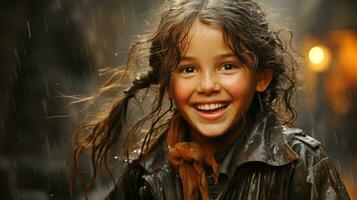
189	69
228	66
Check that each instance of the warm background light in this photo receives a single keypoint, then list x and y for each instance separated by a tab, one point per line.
319	58
316	55
345	43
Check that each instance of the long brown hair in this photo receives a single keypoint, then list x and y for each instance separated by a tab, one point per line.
246	31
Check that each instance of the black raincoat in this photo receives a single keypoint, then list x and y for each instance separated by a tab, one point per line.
273	162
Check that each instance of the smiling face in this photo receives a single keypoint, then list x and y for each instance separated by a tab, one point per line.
211	87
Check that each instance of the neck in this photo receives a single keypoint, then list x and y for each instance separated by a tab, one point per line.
219	146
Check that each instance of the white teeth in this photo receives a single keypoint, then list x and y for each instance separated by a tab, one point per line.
212	106
206	107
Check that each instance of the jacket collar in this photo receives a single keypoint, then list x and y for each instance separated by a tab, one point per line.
263	142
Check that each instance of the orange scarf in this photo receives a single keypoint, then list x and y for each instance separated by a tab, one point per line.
189	158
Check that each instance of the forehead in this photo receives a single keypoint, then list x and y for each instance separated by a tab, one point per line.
203	38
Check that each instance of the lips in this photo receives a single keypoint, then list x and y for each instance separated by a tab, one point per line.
211	111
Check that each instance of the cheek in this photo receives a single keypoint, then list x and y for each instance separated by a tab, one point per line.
179	91
239	86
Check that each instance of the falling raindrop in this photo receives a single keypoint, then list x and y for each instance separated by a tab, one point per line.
93	22
13	104
14	164
244	118
100	14
24	49
44	106
260	102
90	66
45	23
55	148
46	86
352	177
28	29
67	20
58	5
17	60
123	15
48	148
312	133
338	165
336	139
147	23
70	82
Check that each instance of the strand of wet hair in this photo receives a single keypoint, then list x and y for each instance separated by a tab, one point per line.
107	132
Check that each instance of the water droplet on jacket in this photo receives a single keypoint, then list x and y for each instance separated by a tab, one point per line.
245	148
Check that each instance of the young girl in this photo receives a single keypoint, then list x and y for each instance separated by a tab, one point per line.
228	80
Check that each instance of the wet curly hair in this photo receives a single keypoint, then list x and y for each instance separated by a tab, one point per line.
246	31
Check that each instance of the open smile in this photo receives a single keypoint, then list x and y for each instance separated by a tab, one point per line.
211	111
210	107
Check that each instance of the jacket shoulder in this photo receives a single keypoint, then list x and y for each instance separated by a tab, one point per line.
292	135
309	150
314	173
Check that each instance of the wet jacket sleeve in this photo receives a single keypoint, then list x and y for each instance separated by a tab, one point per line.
131	185
328	184
315	176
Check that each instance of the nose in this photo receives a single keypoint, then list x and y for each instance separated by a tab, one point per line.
208	84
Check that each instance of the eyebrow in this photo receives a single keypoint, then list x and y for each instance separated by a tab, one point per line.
226	55
221	56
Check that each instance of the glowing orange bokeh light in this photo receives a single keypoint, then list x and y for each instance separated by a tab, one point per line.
316	55
319	58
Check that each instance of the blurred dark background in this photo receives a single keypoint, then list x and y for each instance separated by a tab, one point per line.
51	48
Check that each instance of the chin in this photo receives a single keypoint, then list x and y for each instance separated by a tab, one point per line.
212	132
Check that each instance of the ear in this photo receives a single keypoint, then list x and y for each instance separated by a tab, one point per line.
264	78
